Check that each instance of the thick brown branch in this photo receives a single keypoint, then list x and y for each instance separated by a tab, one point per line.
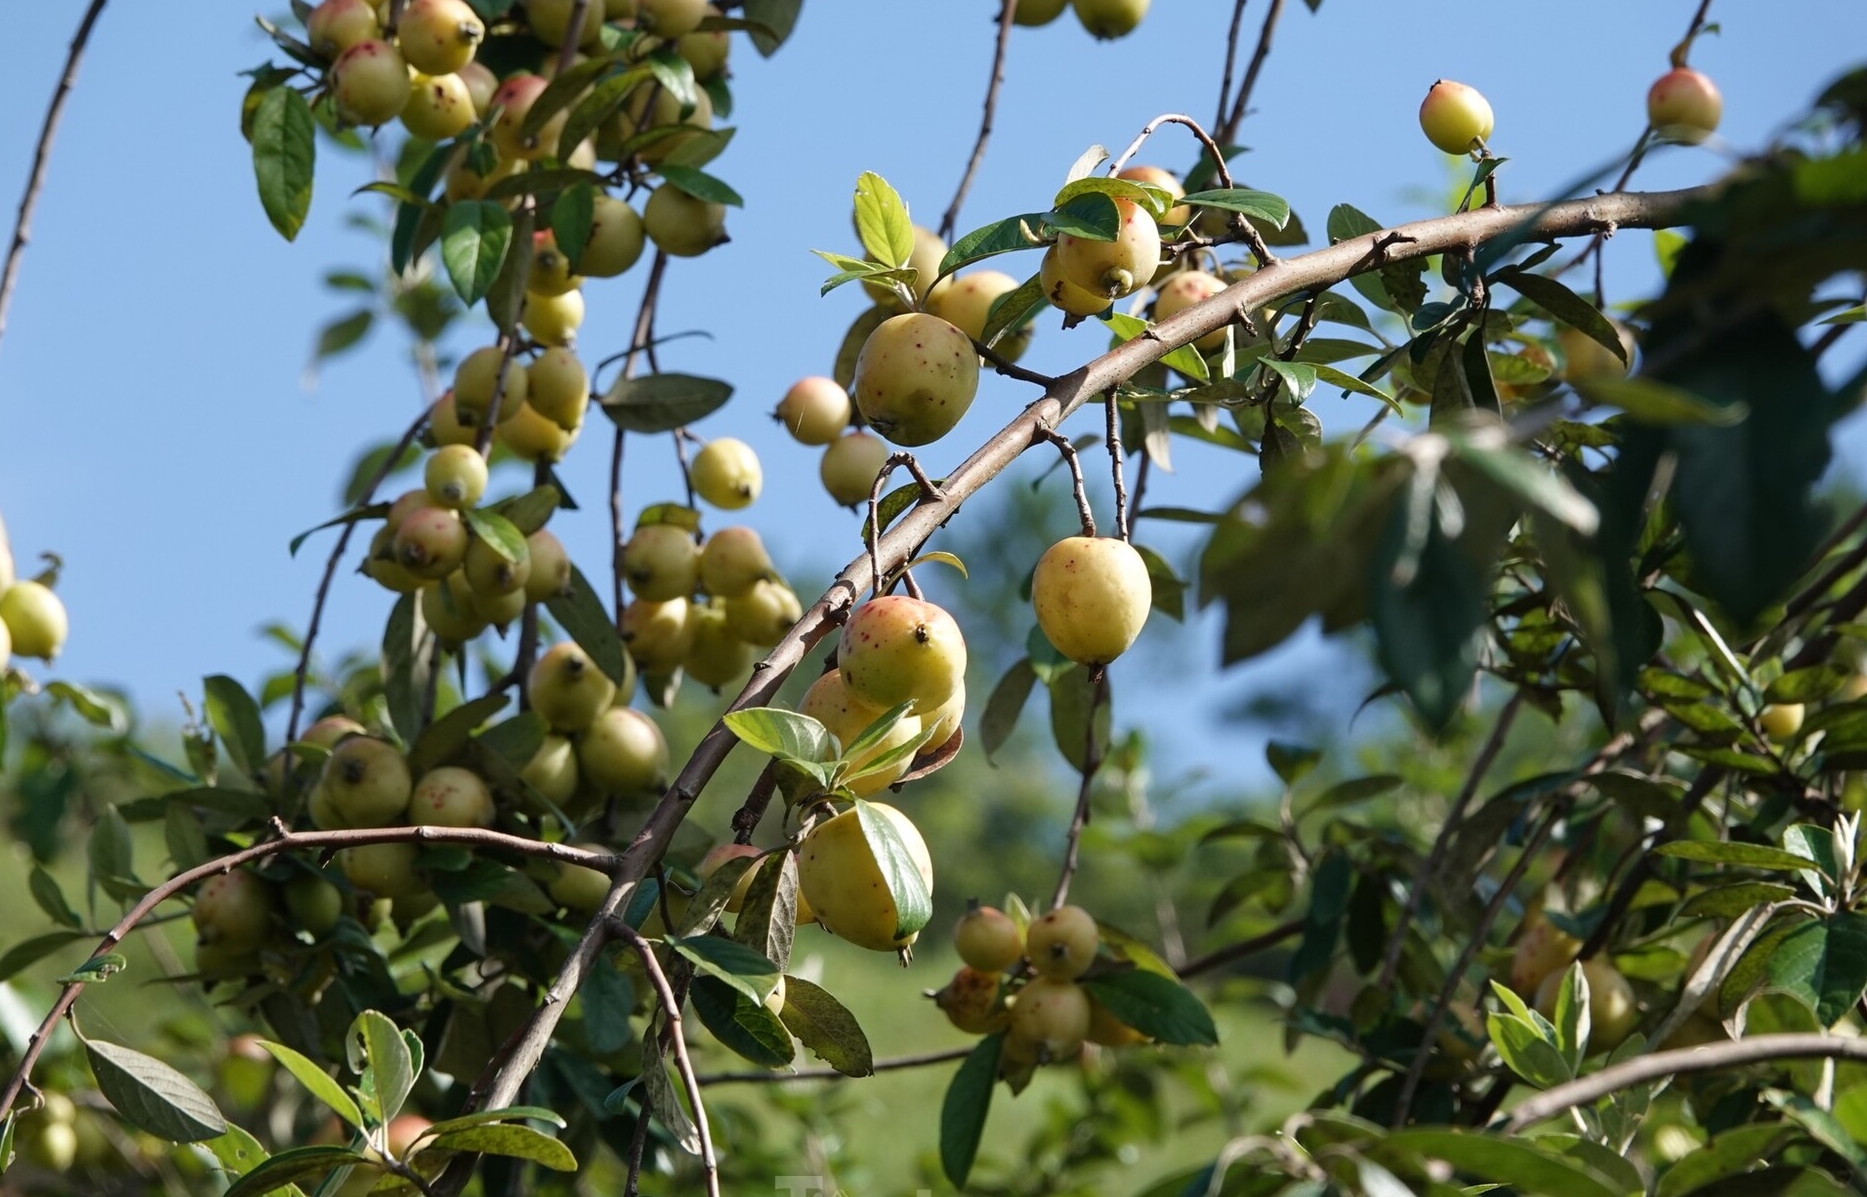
41	158
949	223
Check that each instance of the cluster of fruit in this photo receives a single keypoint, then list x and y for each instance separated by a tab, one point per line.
1103	18
1025	982
32	619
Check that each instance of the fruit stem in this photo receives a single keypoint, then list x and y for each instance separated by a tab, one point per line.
1077	488
1115	462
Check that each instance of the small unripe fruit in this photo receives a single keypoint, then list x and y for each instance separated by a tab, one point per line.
715	859
314	903
438	37
726	473
336	25
915	377
732	562
550	274
814	411
716	657
682	226
481	84
431	543
366	782
439	107
658	635
331	731
1181	214
578	887
763	614
567	689
1182	291
1542	949
445	426
447	607
623	752
838	875
35	620
1781	721
451	797
1052	1015
1107	19
1585	358
1684	104
514	99
970	1000
616	239
380	564
1092	596
1063	943
48	1144
550	574
661	562
369	83
1039	12
670	18
966	304
987	939
849	466
491	575
944	723
1113	268
1065	294
558	387
550	22
456	476
553	319
1612	1008
925	258
1455	118
535	437
234	910
385	870
474	380
705	50
898	649
830	703
552	771
500	610
657	108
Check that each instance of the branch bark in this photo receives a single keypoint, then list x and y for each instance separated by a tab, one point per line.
949	223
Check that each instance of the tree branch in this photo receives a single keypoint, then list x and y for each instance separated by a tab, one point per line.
1243	948
896	1064
1092	761
677	1039
949	222
1228	128
41	158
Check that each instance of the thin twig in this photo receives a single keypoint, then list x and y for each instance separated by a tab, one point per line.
896	1064
41	158
1442	843
949	223
671	1006
483	439
746	818
1092	761
637	1143
1244	228
1231	60
1228	127
1077	489
930	492
1220	957
573	33
1115	465
330	573
616	538
1011	369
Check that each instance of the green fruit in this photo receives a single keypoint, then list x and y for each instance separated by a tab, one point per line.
553	319
449	610
705	50
385	870
380	564
1092	596
971	1000
567	689
366	782
369	84
897	649
987	939
1063	293
550	22
514	99
623	752
535	437
451	797
1107	19
1781	721
431	543
1052	1016
814	411
46	1144
332	730
840	878
733	561
1613	1011
717	657
1542	949
490	575
850	465
682	226
661	562
314	903
558	388
1115	268
550	572
945	722
616	239
1685	105
657	108
830	703
445	426
1038	12
925	258
726	474
552	771
1063	943
967	302
658	635
336	25
578	887
456	476
234	910
35	620
550	274
670	18
481	84
475	378
915	377
439	107
762	615
1455	118
1182	291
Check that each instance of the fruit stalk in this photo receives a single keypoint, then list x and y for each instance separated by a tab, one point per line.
1078	490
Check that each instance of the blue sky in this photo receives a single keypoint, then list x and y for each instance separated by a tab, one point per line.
154	429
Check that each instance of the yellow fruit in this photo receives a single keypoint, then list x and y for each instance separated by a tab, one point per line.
1115	268
475	379
451	797
658	635
578	887
567	689
456	476
558	387
550	22
616	239
552	771
733	561
369	84
550	274
966	302
449	610
550	575
726	473
1781	721
945	721
915	377
1065	294
1182	291
438	37
762	615
670	18
1053	1015
1181	214
514	99
439	107
234	910
535	437
716	657
705	50
1542	949
445	426
682	226
925	259
1092	596
1039	12
897	649
839	876
830	703
336	25
987	939
366	782
491	576
1063	943
553	319
385	870
971	1002
481	84
35	620
849	466
814	411
1455	118
661	562
432	542
1684	104
623	752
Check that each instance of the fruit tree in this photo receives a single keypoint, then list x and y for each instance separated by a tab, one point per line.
544	869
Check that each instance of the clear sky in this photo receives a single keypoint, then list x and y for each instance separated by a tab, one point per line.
155	431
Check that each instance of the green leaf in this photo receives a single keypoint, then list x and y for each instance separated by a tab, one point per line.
675	75
1808	685
1736	1151
28	952
1352	792
580	613
151	1096
743	968
383	1064
573	216
1823	964
505	1114
1511	1161
563	90
593	109
292	1166
1530	481
882	221
770	23
963	1110
343	333
1072	703
474	239
1291	762
767	920
826	1027
404	675
284	158
1755	856
51	899
1348	382
1185	359
1729	901
235	718
741	1024
237	1151
1091	216
498	532
1158	1007
1565	306
1427	605
446	736
1000	237
699	184
1005	704
1013	310
706	907
1259	205
913	902
96	970
313	1077
662	1099
1570	1020
1650	401
784	734
373	511
510	1140
663	402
